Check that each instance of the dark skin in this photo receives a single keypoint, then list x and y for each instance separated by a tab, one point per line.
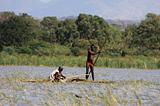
59	76
90	62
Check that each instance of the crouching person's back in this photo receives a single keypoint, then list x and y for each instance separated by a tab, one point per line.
56	75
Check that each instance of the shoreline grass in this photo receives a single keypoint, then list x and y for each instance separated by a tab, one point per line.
141	62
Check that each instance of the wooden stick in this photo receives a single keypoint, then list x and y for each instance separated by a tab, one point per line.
96	59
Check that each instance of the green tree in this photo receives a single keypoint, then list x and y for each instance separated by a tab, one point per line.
92	27
84	26
49	27
6	15
147	37
129	32
100	31
18	30
67	32
127	39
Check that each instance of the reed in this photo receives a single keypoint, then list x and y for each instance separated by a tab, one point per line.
141	62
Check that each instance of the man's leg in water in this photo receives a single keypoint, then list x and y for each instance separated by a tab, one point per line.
87	71
92	71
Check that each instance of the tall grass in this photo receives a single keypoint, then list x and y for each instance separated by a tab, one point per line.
141	62
79	61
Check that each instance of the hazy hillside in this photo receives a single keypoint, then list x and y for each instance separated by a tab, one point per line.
118	23
122	23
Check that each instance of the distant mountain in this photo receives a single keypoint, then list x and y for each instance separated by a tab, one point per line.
68	17
122	23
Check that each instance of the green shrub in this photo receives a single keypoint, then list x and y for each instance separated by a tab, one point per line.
75	51
158	64
38	44
82	43
60	50
44	48
24	50
1	48
9	50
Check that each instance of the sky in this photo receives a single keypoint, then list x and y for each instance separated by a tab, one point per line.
108	9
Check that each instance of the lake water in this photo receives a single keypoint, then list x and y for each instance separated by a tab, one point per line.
129	84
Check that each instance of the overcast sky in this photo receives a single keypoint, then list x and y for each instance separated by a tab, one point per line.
108	9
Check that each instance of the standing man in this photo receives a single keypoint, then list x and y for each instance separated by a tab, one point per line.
90	61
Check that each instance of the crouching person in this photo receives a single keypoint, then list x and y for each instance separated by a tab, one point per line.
56	75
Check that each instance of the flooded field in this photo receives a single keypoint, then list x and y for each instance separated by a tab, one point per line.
131	87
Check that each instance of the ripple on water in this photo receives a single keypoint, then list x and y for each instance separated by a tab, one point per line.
39	94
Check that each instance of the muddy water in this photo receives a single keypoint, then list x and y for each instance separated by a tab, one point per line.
100	73
132	87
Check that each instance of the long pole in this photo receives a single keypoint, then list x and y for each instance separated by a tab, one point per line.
100	51
96	59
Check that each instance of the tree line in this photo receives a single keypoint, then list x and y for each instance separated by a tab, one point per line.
25	34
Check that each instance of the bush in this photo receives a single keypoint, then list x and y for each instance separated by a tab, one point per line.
24	50
9	50
39	47
60	50
114	53
158	64
81	43
1	48
45	48
38	44
75	51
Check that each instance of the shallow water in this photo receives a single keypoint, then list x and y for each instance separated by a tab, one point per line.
100	73
129	84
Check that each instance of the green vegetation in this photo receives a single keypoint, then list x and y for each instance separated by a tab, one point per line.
54	41
142	62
